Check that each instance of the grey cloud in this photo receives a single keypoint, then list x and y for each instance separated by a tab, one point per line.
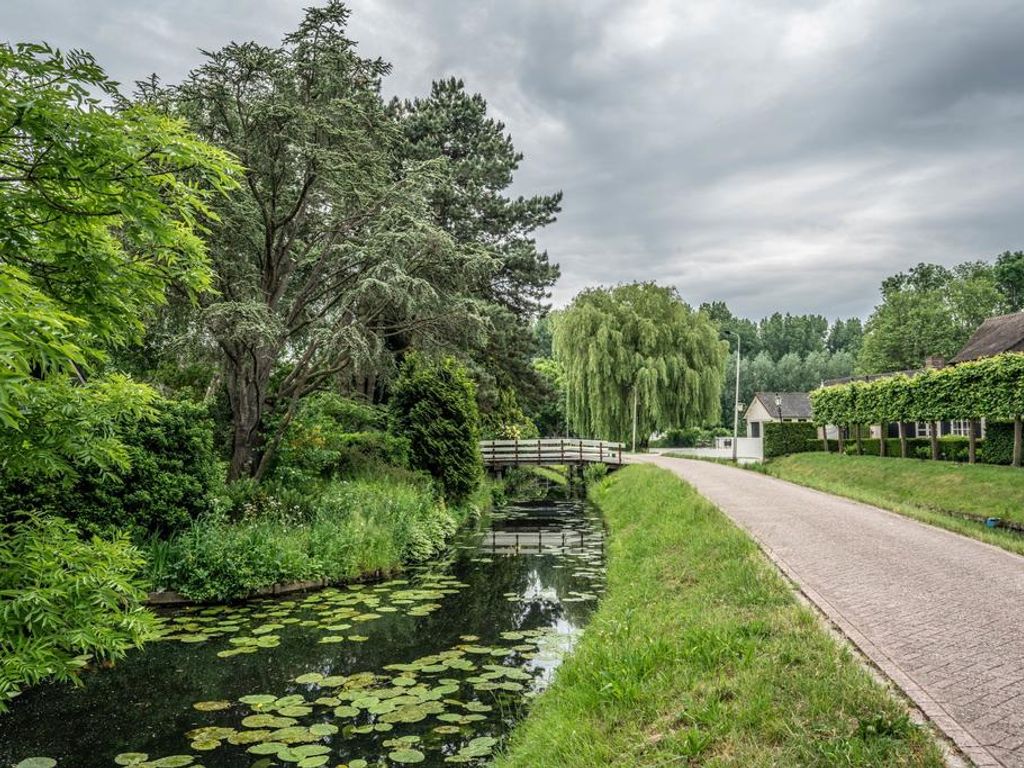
778	155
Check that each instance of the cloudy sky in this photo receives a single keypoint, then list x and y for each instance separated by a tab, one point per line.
778	154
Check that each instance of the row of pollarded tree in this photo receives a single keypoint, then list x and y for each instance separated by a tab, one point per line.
991	388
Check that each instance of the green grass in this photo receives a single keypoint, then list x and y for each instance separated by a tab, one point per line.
930	491
700	655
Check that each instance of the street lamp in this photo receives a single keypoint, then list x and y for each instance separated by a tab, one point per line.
778	405
736	405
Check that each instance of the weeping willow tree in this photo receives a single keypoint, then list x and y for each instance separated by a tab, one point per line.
637	346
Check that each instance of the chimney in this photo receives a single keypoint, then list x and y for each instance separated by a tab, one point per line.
934	361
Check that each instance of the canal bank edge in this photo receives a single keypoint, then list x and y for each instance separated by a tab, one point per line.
700	650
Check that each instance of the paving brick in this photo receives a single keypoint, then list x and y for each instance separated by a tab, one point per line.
940	613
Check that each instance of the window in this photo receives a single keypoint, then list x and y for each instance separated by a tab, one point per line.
960	427
923	429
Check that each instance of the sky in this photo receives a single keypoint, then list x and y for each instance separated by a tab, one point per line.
780	155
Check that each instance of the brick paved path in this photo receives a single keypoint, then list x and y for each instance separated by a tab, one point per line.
942	615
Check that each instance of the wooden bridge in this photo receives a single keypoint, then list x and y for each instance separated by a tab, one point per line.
498	454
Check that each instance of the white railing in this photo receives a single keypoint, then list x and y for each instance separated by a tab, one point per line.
556	450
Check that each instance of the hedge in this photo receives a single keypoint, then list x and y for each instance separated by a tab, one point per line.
782	438
990	388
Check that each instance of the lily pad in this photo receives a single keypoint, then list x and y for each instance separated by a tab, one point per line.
407	756
125	758
38	762
211	706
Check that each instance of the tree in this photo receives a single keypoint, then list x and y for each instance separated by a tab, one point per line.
471	203
329	259
928	310
101	215
845	336
434	403
1009	276
798	334
731	327
638	346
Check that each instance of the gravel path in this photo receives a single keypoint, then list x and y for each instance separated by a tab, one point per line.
942	615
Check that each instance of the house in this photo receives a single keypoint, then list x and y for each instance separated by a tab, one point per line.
996	335
776	406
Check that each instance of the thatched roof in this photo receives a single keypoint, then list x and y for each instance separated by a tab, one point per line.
1004	333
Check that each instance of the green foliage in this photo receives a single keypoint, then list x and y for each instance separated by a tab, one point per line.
165	480
507	420
594	473
783	438
951	448
997	447
1009	275
637	340
102	211
988	388
332	436
929	310
434	404
65	602
348	529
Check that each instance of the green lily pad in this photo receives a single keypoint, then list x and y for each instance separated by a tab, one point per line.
407	756
211	706
173	761
125	758
46	762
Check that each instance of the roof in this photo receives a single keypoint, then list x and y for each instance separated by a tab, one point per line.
1004	333
795	405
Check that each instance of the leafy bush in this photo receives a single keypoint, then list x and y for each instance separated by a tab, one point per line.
997	447
66	602
328	434
352	528
594	473
434	404
171	468
782	438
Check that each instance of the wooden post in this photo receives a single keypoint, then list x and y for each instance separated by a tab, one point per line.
935	440
903	439
972	441
860	445
1017	429
883	434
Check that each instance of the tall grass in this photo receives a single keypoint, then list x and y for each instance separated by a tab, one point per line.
343	530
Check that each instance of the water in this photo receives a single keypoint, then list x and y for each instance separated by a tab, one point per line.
433	669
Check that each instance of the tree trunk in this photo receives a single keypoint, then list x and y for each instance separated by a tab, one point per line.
824	436
1016	440
935	440
860	444
842	445
883	433
972	441
246	384
903	439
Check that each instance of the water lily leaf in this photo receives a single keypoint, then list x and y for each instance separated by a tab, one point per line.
312	762
125	758
407	756
211	706
173	761
47	762
268	721
309	677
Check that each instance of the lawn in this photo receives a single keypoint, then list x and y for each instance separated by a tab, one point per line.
700	654
936	492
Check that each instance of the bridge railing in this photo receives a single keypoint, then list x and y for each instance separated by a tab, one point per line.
556	450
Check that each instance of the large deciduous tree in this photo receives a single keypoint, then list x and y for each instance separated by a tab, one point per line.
638	344
100	215
928	310
330	255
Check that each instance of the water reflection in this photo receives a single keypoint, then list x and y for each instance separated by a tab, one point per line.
433	668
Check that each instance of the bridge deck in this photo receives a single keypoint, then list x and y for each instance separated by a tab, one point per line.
548	451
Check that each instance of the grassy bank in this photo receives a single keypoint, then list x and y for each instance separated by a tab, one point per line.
699	654
341	530
933	492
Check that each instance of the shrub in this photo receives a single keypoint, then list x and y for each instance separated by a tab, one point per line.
434	404
172	469
782	438
997	447
327	435
594	473
352	528
66	602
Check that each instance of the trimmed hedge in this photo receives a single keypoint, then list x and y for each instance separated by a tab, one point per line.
997	447
782	438
950	448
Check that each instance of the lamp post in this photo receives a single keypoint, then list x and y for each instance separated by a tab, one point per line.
736	403
778	405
